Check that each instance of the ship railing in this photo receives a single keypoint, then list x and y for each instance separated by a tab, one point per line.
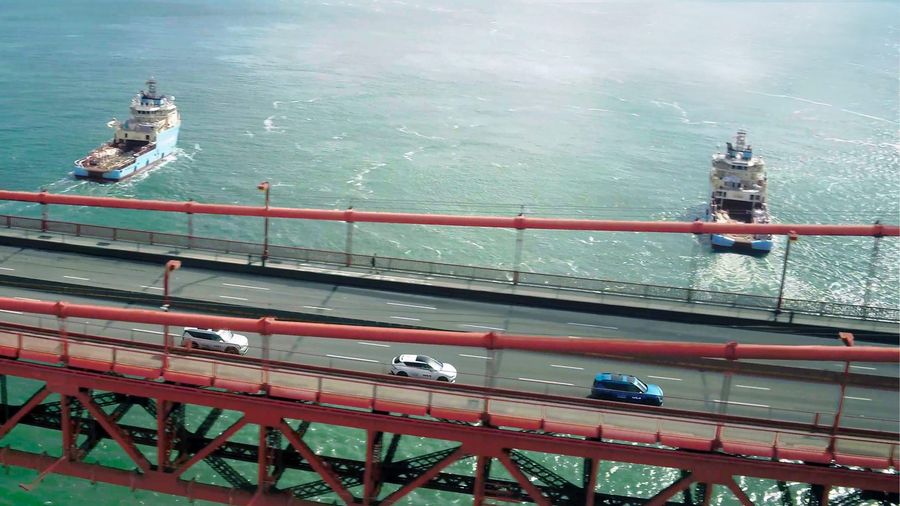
555	282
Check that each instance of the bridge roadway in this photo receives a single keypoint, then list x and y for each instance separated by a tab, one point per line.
869	407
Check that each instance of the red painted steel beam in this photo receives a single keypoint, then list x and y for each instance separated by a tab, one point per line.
425	477
536	496
315	462
215	443
555	344
487	441
518	222
36	399
114	431
154	481
661	498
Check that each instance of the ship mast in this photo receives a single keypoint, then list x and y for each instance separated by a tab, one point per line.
151	88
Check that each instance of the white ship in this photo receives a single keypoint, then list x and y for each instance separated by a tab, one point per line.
738	195
139	143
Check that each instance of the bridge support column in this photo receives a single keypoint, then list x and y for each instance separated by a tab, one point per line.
372	479
589	480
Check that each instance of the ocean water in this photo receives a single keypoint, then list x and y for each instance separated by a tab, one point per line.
591	109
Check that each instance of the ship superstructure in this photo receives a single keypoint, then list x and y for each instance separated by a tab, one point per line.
738	195
140	143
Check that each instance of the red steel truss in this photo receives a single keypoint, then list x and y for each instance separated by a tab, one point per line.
494	431
517	222
486	442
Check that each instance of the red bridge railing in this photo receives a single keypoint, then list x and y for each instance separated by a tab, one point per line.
518	222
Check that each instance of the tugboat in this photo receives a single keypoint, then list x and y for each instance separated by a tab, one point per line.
139	144
738	183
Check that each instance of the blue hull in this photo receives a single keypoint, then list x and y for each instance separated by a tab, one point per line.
166	142
758	246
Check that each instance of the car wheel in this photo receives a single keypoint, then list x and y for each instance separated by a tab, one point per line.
443	378
233	351
401	373
193	345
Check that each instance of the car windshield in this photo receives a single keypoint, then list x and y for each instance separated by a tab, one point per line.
224	334
640	384
434	364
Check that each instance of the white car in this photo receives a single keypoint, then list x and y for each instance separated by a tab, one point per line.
420	366
216	340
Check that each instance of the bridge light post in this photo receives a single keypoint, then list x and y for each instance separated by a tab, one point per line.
787	252
847	339
171	265
264	187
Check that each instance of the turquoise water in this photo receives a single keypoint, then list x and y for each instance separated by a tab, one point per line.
570	109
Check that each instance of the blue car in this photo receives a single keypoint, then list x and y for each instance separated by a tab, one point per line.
625	388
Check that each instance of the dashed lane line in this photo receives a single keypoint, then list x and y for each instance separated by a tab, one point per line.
592	325
76	277
547	382
742	403
481	327
152	287
474	356
374	344
857	398
245	286
10	311
147	331
751	387
317	307
232	298
665	378
352	358
567	367
405	318
411	305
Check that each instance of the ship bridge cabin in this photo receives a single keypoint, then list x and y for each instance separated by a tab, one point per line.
151	113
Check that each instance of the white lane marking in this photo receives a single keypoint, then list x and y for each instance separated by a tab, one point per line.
374	344
862	367
6	269
592	325
245	286
10	311
411	305
664	378
152	287
26	298
742	403
753	387
548	382
317	307
857	398
229	297
474	356
76	277
405	318
148	331
567	367
481	327
352	358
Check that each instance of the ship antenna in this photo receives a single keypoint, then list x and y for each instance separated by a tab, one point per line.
740	139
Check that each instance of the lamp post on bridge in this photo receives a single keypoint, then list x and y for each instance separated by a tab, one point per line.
264	187
171	265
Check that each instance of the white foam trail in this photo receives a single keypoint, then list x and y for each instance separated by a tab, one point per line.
275	104
417	134
799	99
869	116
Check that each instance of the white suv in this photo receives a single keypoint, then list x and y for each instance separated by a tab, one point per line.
420	366
216	340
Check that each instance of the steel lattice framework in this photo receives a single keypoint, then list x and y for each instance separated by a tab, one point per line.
95	393
83	417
